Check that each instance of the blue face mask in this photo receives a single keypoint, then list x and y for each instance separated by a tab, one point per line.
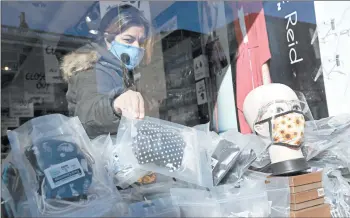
130	55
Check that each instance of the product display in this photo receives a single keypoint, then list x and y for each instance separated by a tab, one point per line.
159	145
166	148
61	168
277	114
175	109
63	178
163	169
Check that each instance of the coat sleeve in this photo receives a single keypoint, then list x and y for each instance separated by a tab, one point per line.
95	92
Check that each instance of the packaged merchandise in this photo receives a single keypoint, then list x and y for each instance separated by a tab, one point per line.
255	205
223	158
337	192
12	190
250	151
328	145
277	189
161	207
278	192
328	134
123	175
63	175
166	148
195	203
246	199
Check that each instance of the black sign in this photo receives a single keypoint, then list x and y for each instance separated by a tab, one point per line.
290	27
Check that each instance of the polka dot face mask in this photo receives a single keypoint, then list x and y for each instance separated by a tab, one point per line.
159	145
286	129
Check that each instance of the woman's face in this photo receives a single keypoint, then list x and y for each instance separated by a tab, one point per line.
134	36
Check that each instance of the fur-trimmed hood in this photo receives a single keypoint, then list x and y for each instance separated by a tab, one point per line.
85	58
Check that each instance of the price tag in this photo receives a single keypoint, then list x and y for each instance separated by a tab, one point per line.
63	173
320	192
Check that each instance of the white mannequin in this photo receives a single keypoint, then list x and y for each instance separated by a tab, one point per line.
260	97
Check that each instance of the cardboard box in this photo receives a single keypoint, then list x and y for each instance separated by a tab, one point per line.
303	188
323	210
305	179
307	204
300	197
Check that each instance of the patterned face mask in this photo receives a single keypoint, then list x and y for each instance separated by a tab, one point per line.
62	168
286	129
158	145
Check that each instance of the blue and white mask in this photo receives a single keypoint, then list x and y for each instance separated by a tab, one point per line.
135	54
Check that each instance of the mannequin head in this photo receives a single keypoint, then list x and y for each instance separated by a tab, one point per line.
261	97
270	101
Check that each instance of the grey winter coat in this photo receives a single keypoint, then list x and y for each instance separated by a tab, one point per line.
95	78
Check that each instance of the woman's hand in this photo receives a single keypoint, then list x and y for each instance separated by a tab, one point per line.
130	104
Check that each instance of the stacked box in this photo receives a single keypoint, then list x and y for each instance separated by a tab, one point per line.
307	196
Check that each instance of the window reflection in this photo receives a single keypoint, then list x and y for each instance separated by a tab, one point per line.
205	58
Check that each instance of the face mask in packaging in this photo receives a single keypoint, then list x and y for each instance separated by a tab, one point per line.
223	158
167	148
61	174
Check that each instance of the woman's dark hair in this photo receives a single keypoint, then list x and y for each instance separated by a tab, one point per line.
119	19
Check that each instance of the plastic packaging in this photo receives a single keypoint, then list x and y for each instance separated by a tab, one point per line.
195	203
255	205
331	132
161	207
337	192
248	198
63	177
278	193
222	159
162	186
12	191
166	148
123	175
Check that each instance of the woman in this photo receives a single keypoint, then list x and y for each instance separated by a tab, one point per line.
99	75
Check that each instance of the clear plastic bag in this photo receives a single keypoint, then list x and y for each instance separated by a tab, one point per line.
278	193
12	190
62	175
195	202
255	205
253	153
247	198
328	133
222	159
167	148
123	175
161	207
337	192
